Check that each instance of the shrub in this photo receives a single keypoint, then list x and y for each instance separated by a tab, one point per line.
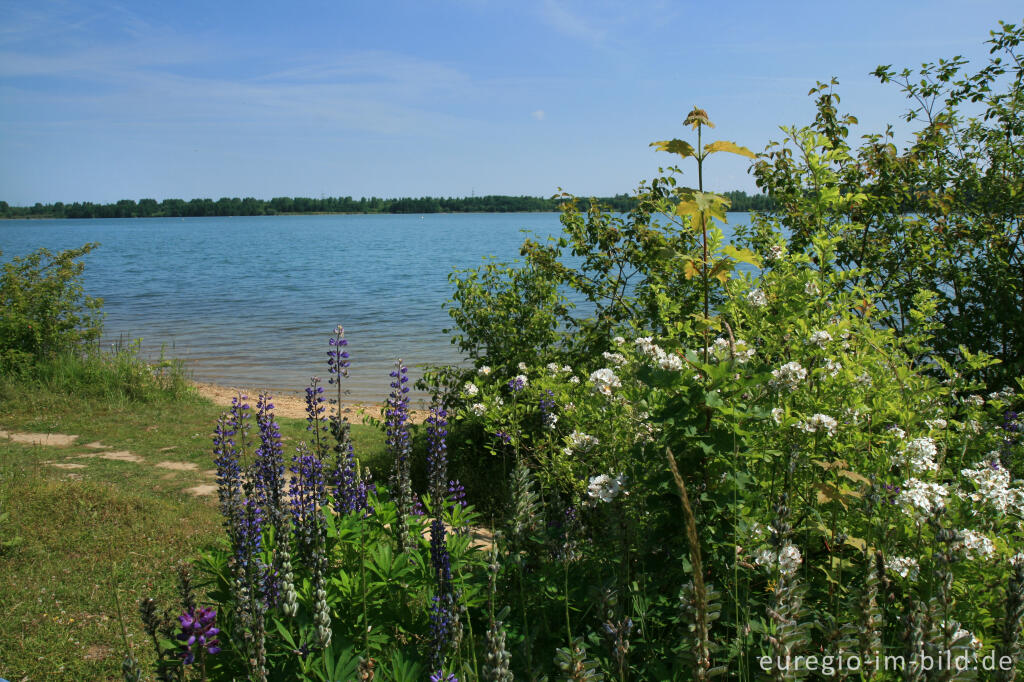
45	311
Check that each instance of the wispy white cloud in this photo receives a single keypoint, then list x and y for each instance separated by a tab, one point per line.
538	114
558	16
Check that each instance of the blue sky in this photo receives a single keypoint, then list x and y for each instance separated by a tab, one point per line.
101	101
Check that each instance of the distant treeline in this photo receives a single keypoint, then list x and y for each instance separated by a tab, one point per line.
175	208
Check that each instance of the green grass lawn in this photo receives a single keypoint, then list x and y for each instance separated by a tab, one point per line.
98	527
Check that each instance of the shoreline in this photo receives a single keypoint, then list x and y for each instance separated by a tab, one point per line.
293	406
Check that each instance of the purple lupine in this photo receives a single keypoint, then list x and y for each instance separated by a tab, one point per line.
437	456
517	383
440	676
308	493
396	422
198	634
230	437
268	469
504	437
456	494
337	359
443	613
316	421
547	409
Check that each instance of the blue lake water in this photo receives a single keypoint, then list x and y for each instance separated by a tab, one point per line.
251	301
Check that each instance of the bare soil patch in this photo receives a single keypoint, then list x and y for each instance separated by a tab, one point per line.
202	489
121	456
51	439
178	466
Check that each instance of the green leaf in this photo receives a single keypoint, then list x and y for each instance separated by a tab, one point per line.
731	147
683	149
742	255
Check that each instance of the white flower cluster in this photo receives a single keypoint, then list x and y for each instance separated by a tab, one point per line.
470	389
1017	560
574	379
666	361
920	499
614	358
479	409
757	298
811	288
522	366
520	380
605	381
904	567
741	350
484	371
819	422
819	338
832	368
863	379
777	414
919	455
775	252
992	486
937	424
789	375
975	400
974	545
550	419
580	442
788	559
606	488
618	340
555	369
897	431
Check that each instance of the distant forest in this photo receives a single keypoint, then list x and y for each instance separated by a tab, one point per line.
174	208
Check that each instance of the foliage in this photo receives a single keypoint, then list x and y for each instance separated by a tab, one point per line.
234	206
942	214
44	309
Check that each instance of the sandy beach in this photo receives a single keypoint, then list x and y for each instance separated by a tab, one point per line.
294	406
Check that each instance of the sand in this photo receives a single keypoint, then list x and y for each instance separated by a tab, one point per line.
294	406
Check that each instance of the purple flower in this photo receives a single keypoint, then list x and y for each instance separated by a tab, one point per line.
505	438
439	676
198	634
396	424
308	494
337	359
437	456
268	469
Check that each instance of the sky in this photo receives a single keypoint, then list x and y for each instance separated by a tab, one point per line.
101	101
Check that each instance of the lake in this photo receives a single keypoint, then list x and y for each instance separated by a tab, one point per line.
251	301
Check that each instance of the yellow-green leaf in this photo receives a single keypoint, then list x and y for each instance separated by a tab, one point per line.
854	476
680	147
742	255
689	269
687	208
731	147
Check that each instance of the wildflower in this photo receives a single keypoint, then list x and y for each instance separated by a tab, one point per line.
812	289
614	358
920	499
819	339
1017	560
974	545
775	252
975	400
863	379
470	389
518	382
522	366
919	454
936	424
738	350
337	359
832	368
604	381
574	380
437	456
396	425
198	634
777	414
580	442
484	371
789	375
618	340
670	362
478	409
757	298
788	559
897	431
992	486
904	567
605	488
819	422
553	367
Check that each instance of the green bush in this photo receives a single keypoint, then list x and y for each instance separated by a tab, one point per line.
44	310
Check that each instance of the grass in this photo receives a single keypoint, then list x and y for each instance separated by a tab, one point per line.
108	526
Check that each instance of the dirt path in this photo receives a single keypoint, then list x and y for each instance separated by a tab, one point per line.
293	406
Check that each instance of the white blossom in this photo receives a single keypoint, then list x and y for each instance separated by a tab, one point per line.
904	567
580	442
757	298
937	424
832	367
574	379
777	414
789	375
819	338
553	367
1017	560
897	431
522	366
604	381
550	419
618	340
788	559
775	252
974	545
811	288
863	379
819	422
919	454
470	389
614	358
484	371
920	499
606	488
479	409
992	486
974	400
